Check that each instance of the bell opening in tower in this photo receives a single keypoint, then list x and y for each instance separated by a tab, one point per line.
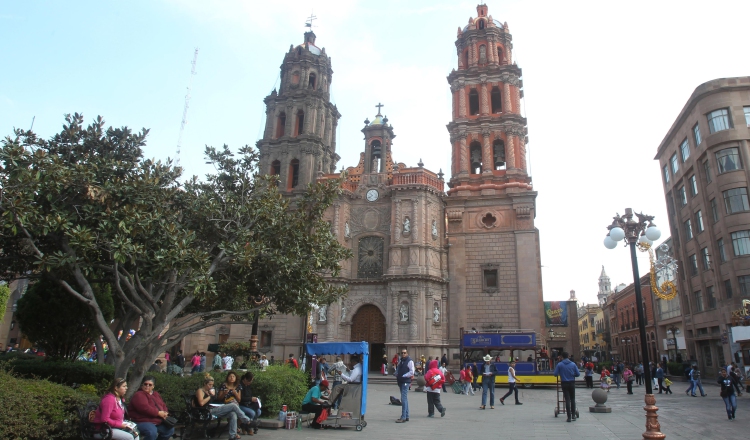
375	156
475	152
495	97
473	102
498	154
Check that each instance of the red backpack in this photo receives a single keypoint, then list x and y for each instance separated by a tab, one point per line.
434	379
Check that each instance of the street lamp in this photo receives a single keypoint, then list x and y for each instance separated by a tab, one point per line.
642	232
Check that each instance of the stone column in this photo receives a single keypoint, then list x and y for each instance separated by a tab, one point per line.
413	314
396	237
461	100
454	145
336	222
485	109
472	53
290	119
507	53
487	163
522	152
394	316
464	151
270	121
510	151
517	96
507	108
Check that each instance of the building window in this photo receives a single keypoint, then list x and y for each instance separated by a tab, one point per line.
473	102
280	125
707	170
688	230
293	173
675	164
370	254
722	252
714	211
698	301
265	338
744	282
475	156
693	186
728	159
666	174
490	282
300	122
719	120
747	115
728	288
685	150
699	221
741	243
682	195
711	297
735	200
706	258
697	135
495	98
693	265
311	81
498	154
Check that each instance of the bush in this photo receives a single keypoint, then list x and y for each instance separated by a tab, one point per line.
171	387
39	409
676	368
65	372
280	385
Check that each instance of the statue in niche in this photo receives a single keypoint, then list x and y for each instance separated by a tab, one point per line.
347	231
322	312
343	313
434	229
404	312
407	226
436	313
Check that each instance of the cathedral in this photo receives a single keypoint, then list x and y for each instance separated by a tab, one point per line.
432	259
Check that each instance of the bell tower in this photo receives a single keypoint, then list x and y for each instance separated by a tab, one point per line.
299	141
494	259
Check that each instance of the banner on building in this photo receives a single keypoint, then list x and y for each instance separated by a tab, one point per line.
556	313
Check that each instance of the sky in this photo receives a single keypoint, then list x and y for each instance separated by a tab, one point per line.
603	82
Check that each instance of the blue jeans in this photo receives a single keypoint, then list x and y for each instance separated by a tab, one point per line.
149	431
488	383
731	404
699	385
250	413
691	388
231	412
616	378
404	387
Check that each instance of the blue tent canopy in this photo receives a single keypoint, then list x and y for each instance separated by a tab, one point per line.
334	348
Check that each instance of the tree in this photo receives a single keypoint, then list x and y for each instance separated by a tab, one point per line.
50	318
86	208
4	295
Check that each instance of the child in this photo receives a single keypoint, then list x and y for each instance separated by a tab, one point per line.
667	384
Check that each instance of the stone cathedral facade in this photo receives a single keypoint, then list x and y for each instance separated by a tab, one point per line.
431	258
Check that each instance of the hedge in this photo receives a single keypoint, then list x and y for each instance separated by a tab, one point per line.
65	372
39	409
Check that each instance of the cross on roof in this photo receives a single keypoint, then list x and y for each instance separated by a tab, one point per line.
378	106
309	22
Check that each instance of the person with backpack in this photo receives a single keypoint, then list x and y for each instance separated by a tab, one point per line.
434	380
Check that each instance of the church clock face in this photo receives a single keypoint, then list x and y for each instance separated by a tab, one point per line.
372	195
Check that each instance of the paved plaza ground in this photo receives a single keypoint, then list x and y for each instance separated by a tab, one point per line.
680	416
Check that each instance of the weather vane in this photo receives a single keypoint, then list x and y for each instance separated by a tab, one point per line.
309	22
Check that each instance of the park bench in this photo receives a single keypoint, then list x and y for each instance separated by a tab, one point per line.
89	431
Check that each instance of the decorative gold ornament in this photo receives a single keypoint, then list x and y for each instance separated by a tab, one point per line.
668	290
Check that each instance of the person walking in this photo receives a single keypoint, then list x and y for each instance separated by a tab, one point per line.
736	379
695	382
727	393
467	378
620	369
404	373
628	377
589	375
488	382
202	367
434	381
195	363
567	371
511	384
638	373
660	378
216	364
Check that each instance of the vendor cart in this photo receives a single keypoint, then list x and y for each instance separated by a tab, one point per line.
354	398
561	401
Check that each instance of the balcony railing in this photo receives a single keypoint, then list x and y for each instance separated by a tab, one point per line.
418	178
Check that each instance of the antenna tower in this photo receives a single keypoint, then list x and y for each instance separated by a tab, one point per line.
187	105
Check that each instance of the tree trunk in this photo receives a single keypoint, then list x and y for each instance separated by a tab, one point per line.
99	350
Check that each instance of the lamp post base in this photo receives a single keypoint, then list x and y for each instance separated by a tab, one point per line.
652	420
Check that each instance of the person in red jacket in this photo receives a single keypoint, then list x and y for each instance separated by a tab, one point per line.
148	410
111	411
434	380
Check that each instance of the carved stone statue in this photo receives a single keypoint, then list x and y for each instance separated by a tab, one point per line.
322	312
436	313
407	225
434	229
347	231
404	312
343	313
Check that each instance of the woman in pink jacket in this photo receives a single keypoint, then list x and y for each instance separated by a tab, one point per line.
112	411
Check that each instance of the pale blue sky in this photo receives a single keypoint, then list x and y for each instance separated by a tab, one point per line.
602	85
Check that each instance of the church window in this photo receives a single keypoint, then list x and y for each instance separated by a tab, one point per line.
489	220
473	102
311	81
300	122
490	282
294	173
498	154
370	256
500	56
276	169
475	153
466	59
482	54
480	24
280	125
295	78
375	156
495	97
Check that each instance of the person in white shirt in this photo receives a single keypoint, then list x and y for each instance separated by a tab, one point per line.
354	376
263	363
511	384
228	361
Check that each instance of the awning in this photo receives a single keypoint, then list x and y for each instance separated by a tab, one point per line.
332	348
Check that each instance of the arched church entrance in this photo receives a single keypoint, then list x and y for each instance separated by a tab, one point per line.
368	324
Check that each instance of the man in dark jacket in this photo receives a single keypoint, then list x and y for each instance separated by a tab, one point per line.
404	373
568	371
488	372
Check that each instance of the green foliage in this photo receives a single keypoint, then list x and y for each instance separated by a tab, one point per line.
86	208
53	320
4	295
280	385
675	368
236	349
64	372
39	409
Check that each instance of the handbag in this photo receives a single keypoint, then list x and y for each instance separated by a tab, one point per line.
170	421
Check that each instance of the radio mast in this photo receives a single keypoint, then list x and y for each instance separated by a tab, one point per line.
187	105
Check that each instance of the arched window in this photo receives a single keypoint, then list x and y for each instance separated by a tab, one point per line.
311	82
293	173
482	54
501	56
498	154
280	125
466	58
480	24
276	170
497	102
475	153
300	122
375	156
473	102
